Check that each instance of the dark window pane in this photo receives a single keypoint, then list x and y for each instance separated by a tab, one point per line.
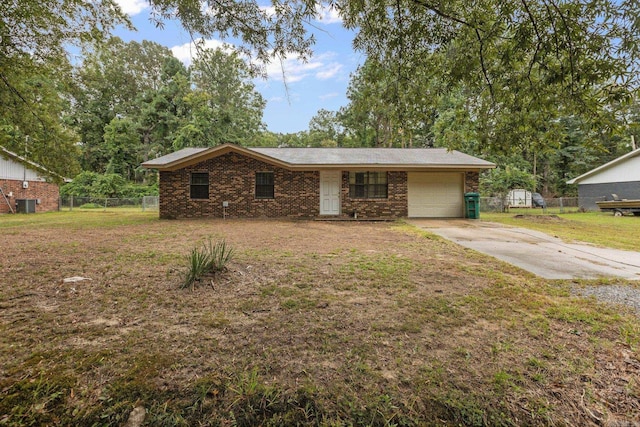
199	188
264	192
368	185
378	178
199	191
200	178
264	185
264	178
378	191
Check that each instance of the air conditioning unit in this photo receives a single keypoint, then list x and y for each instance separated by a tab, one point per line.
25	184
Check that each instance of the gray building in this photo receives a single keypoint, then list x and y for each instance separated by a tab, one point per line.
619	177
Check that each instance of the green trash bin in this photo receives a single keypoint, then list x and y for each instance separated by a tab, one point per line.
472	205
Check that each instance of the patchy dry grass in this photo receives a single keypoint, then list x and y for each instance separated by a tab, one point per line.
313	324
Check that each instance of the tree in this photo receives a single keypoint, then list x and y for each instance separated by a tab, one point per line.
113	80
43	30
325	129
164	111
34	71
385	110
367	116
264	33
33	118
225	107
498	182
121	141
526	63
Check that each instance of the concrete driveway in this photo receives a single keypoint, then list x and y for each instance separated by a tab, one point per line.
537	252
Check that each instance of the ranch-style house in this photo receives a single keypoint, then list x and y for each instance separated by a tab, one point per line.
230	181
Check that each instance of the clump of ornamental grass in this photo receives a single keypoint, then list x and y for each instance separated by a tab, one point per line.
207	259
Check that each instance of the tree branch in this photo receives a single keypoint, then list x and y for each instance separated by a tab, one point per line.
538	38
400	60
570	42
484	68
17	93
444	15
555	36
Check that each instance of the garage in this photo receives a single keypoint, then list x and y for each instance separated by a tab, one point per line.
435	194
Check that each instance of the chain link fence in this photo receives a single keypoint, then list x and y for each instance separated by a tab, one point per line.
552	205
487	204
99	203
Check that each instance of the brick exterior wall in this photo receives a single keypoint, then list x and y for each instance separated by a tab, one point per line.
48	193
394	206
471	182
232	179
297	193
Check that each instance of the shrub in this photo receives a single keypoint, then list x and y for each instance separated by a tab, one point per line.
80	186
221	254
208	259
106	186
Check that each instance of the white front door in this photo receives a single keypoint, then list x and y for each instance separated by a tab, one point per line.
330	183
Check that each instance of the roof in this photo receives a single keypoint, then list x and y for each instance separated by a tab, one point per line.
606	166
30	165
326	158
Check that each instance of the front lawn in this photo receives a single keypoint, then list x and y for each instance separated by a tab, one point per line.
314	323
599	228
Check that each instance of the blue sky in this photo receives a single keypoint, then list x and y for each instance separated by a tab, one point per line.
320	83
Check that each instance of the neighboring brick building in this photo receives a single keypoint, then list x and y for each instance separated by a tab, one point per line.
24	186
238	182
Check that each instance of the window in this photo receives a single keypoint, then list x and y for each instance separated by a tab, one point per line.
199	188
264	185
368	185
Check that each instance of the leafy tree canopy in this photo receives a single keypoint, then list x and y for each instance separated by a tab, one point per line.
504	77
521	65
500	181
44	29
264	32
34	36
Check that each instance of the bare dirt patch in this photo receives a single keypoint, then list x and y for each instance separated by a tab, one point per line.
313	323
539	218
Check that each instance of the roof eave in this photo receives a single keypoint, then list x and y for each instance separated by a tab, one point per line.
34	166
390	167
599	169
212	153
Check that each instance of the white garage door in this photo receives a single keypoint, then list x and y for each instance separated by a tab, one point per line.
436	195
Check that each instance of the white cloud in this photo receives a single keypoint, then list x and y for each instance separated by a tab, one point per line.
186	52
329	71
132	7
321	67
269	10
328	15
324	13
294	70
329	96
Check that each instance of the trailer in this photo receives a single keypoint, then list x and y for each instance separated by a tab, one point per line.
521	198
620	207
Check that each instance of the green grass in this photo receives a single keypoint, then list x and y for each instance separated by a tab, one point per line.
602	229
78	219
